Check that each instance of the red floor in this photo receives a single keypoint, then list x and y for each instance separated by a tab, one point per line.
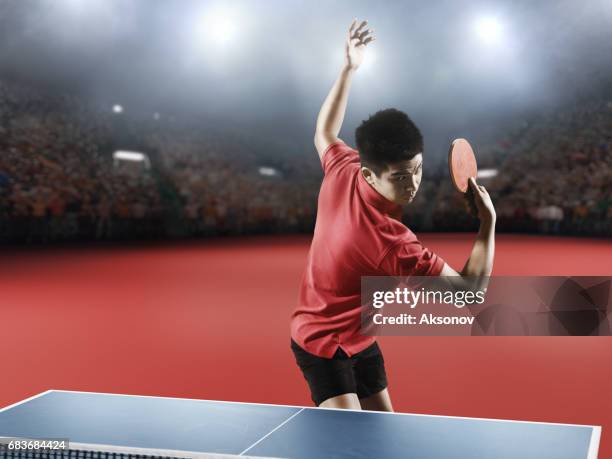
210	320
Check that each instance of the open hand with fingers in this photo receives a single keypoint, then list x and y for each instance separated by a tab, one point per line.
357	39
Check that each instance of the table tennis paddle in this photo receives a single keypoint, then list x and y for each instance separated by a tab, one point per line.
462	164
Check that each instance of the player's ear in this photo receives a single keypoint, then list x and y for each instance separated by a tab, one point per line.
368	174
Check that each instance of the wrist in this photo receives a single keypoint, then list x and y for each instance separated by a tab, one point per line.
488	223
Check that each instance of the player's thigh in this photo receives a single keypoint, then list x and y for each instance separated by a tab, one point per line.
380	401
330	380
371	379
344	401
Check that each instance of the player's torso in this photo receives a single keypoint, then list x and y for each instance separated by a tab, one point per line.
350	236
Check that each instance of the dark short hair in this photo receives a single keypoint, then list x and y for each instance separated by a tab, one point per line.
387	137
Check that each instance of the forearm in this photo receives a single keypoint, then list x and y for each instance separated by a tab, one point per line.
480	262
479	266
332	112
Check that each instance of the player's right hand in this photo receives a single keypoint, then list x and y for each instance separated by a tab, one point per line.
357	38
482	201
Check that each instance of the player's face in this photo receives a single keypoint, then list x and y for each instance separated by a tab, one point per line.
400	182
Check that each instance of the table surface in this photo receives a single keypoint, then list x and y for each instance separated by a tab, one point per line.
232	428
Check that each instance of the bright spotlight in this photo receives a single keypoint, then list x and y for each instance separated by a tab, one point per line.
488	29
220	26
129	155
268	171
486	173
117	108
369	59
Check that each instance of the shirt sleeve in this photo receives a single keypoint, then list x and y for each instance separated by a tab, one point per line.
337	155
409	258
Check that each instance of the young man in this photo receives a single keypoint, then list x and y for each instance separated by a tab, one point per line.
359	233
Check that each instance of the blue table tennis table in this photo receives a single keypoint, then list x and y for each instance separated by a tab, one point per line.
102	424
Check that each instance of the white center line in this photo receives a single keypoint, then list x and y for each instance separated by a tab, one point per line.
272	431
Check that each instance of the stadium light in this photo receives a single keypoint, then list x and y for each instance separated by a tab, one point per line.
117	108
268	171
129	155
489	29
219	25
369	59
134	156
486	173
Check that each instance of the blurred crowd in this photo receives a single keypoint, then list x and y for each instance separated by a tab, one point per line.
569	187
56	179
553	175
59	180
219	185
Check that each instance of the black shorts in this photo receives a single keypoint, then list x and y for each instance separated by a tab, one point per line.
362	374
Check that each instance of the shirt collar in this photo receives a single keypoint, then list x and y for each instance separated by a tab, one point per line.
374	198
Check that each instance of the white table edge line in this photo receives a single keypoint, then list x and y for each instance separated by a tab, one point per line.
6	408
272	431
594	443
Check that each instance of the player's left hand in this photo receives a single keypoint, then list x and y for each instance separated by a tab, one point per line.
480	201
357	39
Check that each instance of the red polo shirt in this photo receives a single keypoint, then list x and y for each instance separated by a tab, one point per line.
358	233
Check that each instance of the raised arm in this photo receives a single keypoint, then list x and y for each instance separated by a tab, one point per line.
333	109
